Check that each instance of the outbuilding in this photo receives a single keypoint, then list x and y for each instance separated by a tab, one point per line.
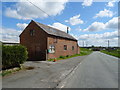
44	42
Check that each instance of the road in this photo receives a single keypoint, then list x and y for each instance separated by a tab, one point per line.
98	70
44	75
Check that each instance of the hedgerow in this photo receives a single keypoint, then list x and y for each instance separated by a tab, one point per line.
13	56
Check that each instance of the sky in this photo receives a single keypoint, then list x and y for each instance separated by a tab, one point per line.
91	23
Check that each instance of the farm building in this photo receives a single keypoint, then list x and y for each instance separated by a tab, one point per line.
44	42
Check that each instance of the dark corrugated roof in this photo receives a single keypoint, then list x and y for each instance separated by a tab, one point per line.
54	31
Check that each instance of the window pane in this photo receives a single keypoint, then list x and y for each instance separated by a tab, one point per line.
32	32
51	49
72	47
65	47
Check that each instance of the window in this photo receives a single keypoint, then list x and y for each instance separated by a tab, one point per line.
51	49
65	47
32	32
55	40
72	47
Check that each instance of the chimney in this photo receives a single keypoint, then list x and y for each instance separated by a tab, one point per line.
67	29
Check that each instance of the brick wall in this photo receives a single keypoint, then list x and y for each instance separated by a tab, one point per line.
59	47
37	44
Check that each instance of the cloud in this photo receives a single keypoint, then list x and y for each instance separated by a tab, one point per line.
87	2
60	26
104	13
99	26
113	23
75	20
99	39
96	26
78	28
25	10
111	3
10	35
75	36
21	25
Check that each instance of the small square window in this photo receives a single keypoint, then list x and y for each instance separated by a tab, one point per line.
55	40
32	32
51	49
72	47
65	47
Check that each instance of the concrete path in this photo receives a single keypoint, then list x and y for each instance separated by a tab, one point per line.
44	75
98	70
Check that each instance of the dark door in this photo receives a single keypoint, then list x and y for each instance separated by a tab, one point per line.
40	54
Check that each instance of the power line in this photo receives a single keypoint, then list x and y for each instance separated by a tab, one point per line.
43	11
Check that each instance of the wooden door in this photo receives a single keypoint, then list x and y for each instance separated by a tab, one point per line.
40	54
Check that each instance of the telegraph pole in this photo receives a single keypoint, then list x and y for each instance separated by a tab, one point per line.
108	43
86	44
83	43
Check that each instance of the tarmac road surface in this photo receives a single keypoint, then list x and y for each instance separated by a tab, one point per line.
44	75
98	70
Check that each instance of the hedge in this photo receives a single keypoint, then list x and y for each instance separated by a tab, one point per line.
13	56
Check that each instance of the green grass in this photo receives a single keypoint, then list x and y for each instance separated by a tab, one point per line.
12	70
112	52
83	52
9	71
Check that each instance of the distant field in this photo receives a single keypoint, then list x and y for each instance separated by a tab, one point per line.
84	51
112	52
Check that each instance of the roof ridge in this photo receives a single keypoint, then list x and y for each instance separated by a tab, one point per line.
51	27
65	36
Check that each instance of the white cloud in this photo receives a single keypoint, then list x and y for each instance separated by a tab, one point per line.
113	23
25	10
98	26
87	2
104	13
22	25
75	36
60	26
99	39
111	3
78	28
75	20
10	35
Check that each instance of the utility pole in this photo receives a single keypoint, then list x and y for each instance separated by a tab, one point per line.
83	43
86	44
108	43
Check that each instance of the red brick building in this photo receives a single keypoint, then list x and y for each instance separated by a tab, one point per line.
45	42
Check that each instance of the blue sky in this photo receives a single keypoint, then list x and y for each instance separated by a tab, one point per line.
93	23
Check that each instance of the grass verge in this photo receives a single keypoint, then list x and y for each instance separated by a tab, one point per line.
13	70
9	71
112	52
83	51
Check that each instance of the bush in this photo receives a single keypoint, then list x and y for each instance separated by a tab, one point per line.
50	59
67	55
13	56
62	57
